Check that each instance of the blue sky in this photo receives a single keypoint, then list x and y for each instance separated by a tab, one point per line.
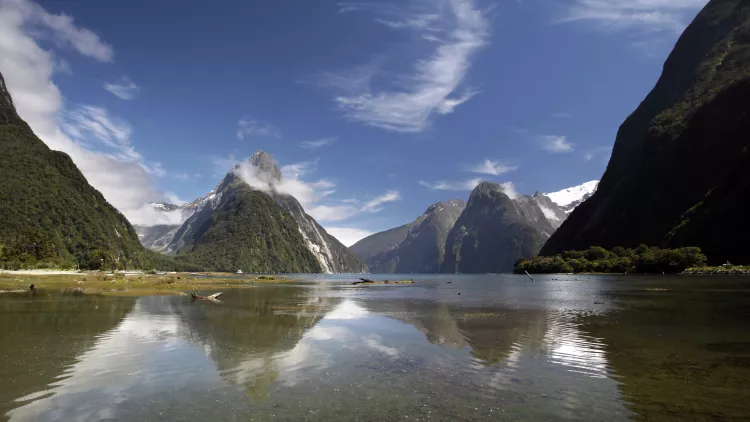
374	110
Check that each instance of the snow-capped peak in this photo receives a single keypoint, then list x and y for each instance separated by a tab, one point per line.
569	199
163	206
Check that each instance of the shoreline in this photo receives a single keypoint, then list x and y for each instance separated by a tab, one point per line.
127	284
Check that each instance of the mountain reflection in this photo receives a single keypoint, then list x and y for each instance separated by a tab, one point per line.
278	343
41	339
501	335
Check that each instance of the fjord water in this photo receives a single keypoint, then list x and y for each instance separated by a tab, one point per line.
561	348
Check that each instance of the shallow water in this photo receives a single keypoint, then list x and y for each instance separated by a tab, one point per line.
562	348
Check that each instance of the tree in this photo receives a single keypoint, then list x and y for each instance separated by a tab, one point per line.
595	253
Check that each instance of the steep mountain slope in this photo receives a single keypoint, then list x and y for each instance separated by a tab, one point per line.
422	245
494	231
244	229
554	213
680	162
379	243
49	214
329	254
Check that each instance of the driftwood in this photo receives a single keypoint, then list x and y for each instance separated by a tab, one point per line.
214	297
368	281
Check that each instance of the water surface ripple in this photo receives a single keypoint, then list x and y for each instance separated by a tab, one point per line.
563	348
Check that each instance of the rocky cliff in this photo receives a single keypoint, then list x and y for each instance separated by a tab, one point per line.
679	175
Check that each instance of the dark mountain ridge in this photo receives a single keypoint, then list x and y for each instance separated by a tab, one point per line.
678	175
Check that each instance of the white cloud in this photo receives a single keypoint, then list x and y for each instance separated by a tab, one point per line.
348	235
58	28
314	196
125	89
556	144
452	185
299	169
374	205
94	123
548	213
455	30
494	168
248	126
669	16
98	143
509	189
348	208
172	198
333	212
604	152
318	143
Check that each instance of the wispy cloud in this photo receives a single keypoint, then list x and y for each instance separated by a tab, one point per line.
318	143
61	29
296	170
374	205
556	144
333	212
509	189
443	185
494	168
186	176
125	89
670	16
248	126
97	142
314	195
592	153
562	115
454	31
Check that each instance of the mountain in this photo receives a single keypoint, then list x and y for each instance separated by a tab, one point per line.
329	254
379	243
494	230
49	214
241	228
156	238
555	214
569	199
163	206
418	247
678	175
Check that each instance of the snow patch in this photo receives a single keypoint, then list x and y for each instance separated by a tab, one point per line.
570	196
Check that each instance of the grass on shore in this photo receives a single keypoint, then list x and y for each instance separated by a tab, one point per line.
722	270
131	285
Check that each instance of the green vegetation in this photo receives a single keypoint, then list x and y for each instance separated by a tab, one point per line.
722	270
249	232
50	217
619	260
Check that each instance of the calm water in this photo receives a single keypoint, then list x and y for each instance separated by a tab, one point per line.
563	348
